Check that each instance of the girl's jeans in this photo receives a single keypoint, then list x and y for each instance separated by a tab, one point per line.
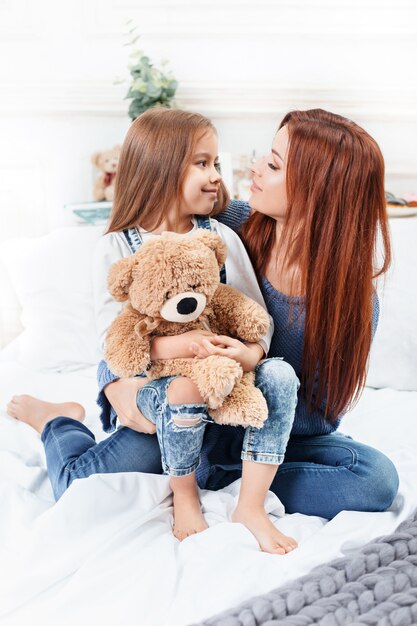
181	444
71	451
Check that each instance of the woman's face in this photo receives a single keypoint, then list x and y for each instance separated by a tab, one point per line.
269	194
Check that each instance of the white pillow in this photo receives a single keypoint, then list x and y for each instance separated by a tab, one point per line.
52	278
393	360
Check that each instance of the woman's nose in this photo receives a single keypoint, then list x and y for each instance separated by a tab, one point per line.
258	166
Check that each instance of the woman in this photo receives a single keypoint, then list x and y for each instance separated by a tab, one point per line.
318	208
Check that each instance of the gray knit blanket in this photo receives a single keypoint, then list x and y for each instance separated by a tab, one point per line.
376	584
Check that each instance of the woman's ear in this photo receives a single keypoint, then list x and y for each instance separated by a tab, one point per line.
120	278
215	243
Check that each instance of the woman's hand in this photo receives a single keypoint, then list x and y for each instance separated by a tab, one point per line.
177	346
122	396
247	354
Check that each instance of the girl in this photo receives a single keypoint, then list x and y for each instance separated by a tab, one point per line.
168	180
311	226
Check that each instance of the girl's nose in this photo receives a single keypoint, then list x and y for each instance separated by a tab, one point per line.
215	175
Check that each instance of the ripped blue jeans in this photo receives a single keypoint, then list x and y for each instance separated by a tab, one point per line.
72	452
181	442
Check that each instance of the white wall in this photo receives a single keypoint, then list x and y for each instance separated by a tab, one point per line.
243	63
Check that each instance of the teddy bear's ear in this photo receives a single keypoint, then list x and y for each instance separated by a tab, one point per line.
215	243
95	158
120	278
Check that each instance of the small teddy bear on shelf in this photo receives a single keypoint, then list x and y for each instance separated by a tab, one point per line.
171	285
107	163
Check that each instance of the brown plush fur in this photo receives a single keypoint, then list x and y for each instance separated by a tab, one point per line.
161	269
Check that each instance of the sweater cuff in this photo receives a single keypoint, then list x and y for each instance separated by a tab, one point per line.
108	415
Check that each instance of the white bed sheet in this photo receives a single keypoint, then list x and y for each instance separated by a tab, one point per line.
105	553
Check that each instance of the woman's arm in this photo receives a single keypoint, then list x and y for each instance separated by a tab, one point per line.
235	214
241	275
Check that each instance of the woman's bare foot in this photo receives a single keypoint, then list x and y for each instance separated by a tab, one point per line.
269	538
188	518
37	412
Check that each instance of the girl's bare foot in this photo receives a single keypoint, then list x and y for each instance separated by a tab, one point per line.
37	413
269	538
188	518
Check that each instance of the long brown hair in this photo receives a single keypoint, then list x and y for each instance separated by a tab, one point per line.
155	155
335	216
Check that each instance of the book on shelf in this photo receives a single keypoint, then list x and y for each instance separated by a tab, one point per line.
94	212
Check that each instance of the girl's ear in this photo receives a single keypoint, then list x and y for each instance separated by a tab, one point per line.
215	243
120	278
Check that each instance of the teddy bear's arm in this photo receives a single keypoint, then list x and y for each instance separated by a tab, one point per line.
99	188
238	315
127	353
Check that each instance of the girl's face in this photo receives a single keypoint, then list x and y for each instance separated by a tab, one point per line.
202	178
269	194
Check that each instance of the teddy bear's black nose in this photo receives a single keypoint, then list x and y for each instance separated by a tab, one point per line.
186	306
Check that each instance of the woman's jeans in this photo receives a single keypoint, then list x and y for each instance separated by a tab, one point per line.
320	475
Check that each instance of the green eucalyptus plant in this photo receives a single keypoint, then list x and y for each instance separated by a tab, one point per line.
150	87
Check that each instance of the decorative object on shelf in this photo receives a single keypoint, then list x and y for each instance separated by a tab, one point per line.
243	178
150	87
405	206
411	198
91	212
107	163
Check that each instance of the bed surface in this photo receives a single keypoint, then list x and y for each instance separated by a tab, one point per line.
104	550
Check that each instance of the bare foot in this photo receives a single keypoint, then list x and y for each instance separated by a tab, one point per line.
188	518
270	538
37	413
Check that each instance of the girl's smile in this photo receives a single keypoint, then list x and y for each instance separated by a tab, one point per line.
202	179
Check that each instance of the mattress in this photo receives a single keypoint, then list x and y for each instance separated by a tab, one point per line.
105	552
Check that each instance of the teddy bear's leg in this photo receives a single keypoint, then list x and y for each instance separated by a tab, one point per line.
245	406
215	377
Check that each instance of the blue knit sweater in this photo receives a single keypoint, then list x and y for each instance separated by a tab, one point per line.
288	338
287	342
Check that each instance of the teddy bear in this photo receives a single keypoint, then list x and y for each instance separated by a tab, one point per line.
171	285
107	163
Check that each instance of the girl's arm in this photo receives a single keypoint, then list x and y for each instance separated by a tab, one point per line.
107	251
247	354
117	397
178	346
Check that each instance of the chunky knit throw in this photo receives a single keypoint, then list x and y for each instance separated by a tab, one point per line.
375	585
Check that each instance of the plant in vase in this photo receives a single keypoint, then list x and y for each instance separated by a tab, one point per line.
151	86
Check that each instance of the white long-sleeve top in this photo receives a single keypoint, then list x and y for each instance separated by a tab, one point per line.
113	247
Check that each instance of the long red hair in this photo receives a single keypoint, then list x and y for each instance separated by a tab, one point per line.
336	216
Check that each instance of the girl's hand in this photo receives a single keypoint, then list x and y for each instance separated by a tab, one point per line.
247	354
122	396
178	346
